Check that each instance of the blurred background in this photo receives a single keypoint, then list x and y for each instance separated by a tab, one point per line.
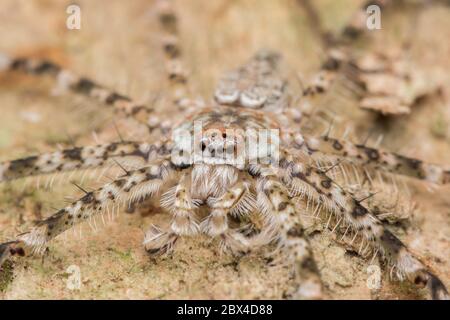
119	45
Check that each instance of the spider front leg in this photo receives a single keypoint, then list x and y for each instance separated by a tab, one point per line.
130	187
375	158
179	201
380	81
317	186
239	202
80	158
283	226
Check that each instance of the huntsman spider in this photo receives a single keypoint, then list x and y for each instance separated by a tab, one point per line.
234	169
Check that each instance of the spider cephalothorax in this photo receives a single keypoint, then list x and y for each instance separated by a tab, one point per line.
226	135
233	171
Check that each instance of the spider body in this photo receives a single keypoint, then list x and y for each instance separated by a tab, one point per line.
234	171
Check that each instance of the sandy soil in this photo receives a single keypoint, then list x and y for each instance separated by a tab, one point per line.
118	46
